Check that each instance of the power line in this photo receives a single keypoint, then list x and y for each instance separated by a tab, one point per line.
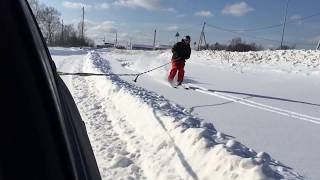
242	34
288	22
173	31
252	36
276	25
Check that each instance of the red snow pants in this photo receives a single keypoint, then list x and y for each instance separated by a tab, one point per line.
177	66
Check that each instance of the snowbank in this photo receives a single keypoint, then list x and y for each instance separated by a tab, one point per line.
60	51
288	61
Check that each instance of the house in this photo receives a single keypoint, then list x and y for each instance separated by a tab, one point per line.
150	47
142	47
163	47
106	45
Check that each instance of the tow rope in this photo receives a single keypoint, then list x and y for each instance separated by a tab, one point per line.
111	74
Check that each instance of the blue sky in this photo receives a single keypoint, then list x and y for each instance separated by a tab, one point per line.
136	20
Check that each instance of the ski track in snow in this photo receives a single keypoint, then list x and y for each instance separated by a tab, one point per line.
254	104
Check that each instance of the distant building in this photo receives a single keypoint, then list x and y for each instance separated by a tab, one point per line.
142	47
150	47
109	45
163	47
106	45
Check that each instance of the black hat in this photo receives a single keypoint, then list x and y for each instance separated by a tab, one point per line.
187	38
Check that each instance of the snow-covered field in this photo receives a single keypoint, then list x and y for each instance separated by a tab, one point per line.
240	106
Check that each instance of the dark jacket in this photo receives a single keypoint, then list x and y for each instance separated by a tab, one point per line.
181	51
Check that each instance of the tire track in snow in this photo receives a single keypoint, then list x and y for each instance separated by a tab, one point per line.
114	161
257	105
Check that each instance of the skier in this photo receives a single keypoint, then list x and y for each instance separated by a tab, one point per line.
181	52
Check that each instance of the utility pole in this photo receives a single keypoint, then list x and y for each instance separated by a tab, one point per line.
154	39
202	37
116	42
130	43
62	39
284	24
82	25
318	46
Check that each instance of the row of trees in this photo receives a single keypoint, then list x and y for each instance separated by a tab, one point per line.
237	44
53	29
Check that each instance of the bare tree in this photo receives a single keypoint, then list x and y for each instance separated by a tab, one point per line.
49	23
79	27
70	36
36	8
235	41
48	19
69	31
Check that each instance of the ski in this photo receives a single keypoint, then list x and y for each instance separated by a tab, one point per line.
172	84
182	87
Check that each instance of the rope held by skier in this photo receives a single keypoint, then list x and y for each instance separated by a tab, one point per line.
139	74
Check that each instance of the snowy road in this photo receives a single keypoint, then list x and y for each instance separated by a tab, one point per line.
265	111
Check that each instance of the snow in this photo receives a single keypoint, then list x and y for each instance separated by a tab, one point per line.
286	61
148	130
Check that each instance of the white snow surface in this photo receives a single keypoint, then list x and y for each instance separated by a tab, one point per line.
148	130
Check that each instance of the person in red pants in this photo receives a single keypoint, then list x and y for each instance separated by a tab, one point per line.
181	52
